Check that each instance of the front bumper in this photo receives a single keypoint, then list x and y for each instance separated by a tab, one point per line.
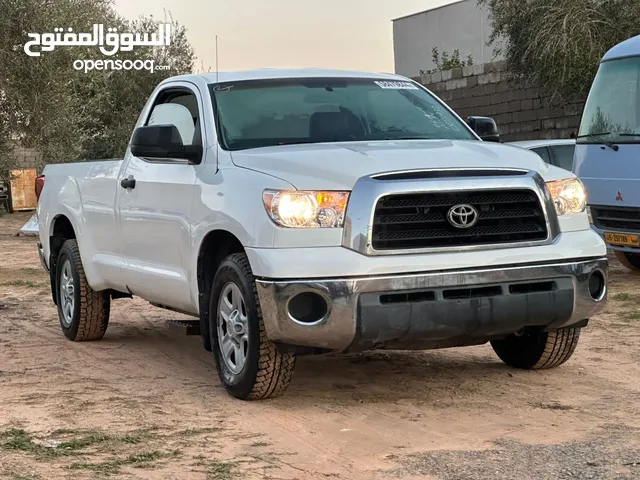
434	310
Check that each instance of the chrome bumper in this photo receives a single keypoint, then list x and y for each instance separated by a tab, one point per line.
430	310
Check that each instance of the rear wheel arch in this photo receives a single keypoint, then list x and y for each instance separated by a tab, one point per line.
215	247
61	231
61	227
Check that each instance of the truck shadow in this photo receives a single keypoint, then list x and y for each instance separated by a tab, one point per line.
439	376
395	375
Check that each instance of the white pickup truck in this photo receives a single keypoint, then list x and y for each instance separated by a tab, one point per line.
309	211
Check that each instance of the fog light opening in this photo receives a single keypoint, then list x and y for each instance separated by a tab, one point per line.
597	285
308	308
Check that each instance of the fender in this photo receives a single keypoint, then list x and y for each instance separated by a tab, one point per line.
66	201
69	204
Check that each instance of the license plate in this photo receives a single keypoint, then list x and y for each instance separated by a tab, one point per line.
622	239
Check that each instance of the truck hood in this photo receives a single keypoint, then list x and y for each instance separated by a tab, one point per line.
337	166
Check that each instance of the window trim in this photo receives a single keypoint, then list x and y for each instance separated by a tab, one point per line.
161	94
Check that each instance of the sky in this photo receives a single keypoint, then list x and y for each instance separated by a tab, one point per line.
343	34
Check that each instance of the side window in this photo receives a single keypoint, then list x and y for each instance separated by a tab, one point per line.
543	152
564	156
178	108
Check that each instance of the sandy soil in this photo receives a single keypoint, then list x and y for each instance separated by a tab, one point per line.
145	402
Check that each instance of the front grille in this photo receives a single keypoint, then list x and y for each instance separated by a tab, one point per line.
407	221
616	218
469	292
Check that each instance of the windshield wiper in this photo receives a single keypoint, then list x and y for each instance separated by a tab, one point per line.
285	142
408	137
612	146
629	134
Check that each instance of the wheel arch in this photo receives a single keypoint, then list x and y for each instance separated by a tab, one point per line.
214	248
61	230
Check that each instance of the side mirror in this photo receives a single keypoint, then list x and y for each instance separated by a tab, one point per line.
485	128
163	141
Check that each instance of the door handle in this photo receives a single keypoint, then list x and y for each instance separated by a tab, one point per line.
129	182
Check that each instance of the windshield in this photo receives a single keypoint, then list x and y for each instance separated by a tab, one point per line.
612	112
261	113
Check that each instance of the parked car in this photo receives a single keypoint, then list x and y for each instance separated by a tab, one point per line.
607	151
555	152
310	211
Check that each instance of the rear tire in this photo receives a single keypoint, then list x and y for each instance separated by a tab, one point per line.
83	312
629	260
538	350
249	365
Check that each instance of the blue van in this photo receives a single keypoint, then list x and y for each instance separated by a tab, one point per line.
607	154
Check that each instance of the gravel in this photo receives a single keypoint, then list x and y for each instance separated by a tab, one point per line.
615	456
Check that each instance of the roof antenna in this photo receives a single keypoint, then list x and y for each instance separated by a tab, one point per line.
217	117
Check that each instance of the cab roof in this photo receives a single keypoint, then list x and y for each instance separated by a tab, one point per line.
274	73
628	48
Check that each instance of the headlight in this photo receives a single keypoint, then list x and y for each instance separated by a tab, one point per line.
304	209
569	195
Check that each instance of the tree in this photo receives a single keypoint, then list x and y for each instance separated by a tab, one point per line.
558	45
64	113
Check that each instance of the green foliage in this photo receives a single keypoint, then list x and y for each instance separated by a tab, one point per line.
221	471
66	114
558	45
626	297
19	440
140	460
443	61
7	157
22	283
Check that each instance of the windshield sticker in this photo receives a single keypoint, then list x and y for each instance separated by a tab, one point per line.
396	85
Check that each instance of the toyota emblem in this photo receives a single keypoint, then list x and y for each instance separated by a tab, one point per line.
463	216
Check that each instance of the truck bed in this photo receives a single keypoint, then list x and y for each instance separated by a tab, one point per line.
86	192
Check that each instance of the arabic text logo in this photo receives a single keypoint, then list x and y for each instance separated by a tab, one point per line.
109	43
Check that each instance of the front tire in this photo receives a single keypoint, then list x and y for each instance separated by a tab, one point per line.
629	260
537	350
83	312
249	365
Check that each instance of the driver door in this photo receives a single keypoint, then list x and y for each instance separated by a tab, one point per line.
155	211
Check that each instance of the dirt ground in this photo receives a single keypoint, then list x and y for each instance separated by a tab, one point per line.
145	402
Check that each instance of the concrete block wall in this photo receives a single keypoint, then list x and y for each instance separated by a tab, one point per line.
27	158
521	112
